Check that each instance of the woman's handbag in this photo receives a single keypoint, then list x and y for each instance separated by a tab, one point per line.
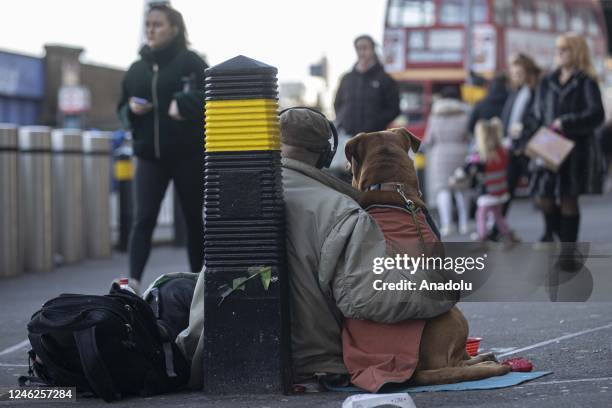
549	147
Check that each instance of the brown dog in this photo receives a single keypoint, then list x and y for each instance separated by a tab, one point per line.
381	159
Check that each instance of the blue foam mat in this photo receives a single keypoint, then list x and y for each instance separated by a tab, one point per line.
502	381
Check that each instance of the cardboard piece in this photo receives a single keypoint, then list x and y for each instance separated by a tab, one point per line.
550	147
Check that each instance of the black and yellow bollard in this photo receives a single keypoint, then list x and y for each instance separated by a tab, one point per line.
246	321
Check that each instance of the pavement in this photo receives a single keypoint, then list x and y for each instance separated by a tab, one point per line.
574	340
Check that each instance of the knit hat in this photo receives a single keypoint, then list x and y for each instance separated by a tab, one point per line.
305	128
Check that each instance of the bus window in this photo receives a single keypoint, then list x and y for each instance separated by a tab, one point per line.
576	22
479	11
411	102
416	40
502	10
452	12
543	16
593	27
525	14
560	17
410	13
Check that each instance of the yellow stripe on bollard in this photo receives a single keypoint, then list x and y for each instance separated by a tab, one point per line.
242	103
242	115
419	161
242	125
124	170
237	124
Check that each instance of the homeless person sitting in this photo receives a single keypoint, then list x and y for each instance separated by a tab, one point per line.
331	245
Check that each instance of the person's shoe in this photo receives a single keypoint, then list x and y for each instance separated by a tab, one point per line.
493	235
546	241
445	231
135	285
511	240
464	229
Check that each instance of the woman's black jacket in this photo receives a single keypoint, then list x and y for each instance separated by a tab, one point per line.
160	76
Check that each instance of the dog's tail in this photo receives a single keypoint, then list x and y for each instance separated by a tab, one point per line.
449	375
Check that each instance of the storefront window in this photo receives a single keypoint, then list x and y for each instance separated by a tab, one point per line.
411	13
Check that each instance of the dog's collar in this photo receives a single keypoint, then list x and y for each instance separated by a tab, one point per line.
386	187
391	186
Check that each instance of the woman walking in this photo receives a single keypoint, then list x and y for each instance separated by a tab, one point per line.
162	103
569	101
446	143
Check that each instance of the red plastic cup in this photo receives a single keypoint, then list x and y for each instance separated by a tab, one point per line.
472	345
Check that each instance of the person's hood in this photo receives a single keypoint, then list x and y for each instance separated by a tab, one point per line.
448	106
162	55
374	68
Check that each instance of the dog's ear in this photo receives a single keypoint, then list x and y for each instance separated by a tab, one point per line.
351	151
413	142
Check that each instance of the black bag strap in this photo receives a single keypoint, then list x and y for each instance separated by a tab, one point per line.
94	368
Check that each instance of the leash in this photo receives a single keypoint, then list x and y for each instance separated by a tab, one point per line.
412	209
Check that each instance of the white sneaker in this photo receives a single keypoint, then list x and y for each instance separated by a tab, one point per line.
135	285
464	229
445	231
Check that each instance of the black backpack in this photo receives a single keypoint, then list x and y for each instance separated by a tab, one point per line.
111	346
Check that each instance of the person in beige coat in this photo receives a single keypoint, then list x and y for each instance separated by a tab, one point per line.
331	246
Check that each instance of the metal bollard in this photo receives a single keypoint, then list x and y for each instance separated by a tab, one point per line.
10	262
97	147
124	174
246	321
68	217
35	198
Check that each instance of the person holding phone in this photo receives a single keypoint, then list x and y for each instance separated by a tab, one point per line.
162	103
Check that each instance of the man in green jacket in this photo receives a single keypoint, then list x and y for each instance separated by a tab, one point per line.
331	246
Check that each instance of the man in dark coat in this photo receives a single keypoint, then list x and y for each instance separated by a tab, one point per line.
368	98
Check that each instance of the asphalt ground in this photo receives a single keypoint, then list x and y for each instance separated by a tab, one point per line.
573	340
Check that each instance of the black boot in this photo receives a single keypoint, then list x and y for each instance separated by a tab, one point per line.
551	225
568	228
570	259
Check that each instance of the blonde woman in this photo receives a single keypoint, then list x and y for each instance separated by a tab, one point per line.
568	100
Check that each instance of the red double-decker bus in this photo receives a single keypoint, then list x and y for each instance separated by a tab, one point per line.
424	45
